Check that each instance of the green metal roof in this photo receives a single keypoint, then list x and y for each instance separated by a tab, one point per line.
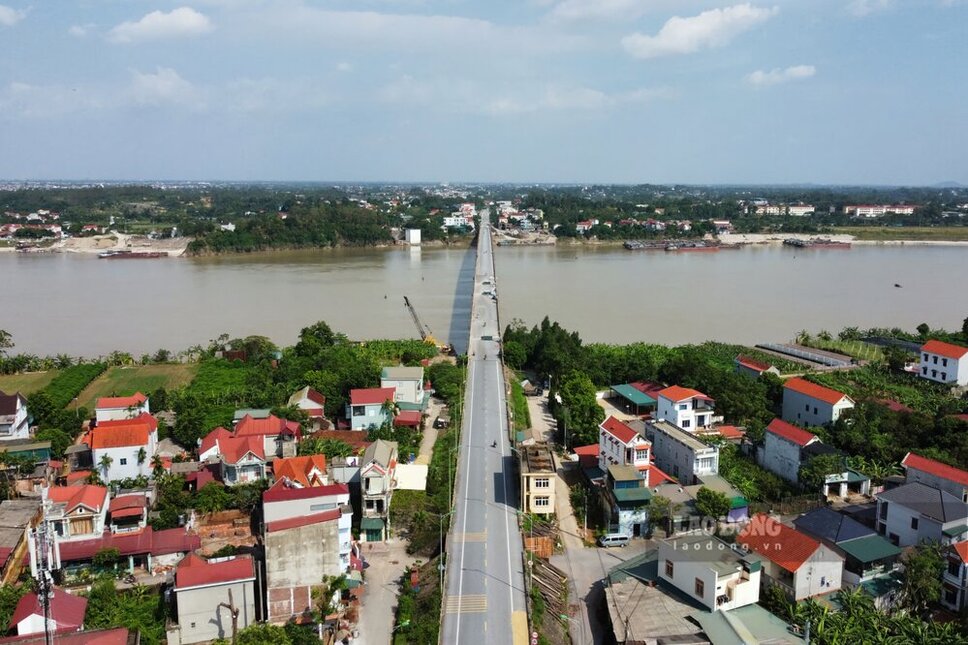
371	523
637	397
870	548
738	502
627	495
955	531
745	625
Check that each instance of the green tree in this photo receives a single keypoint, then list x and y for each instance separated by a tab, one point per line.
921	586
6	341
813	473
107	558
105	464
59	440
10	595
711	503
212	498
579	409
923	330
895	358
329	447
263	634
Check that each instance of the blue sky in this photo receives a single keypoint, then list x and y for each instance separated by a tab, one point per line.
848	91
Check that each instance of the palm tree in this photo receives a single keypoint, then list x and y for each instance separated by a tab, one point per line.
142	455
105	464
157	466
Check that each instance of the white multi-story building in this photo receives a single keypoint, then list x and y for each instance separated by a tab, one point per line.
809	404
287	499
123	449
954	583
878	210
681	454
915	513
710	571
687	408
619	444
407	383
118	408
944	363
783	445
14	418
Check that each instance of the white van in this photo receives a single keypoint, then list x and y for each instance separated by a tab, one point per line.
613	539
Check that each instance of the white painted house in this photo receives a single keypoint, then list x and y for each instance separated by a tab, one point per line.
800	565
14	418
954	582
619	444
407	383
681	454
687	408
783	445
710	571
66	614
118	408
936	475
944	363
915	513
809	404
367	407
122	449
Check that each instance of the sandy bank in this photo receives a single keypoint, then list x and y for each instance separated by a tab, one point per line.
115	241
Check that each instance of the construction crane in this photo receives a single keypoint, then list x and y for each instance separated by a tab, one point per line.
425	334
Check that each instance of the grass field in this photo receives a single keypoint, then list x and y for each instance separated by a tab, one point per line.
26	383
125	381
853	348
907	233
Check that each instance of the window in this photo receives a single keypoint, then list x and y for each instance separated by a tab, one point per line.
123	461
914	523
944	362
944	376
934	373
542	482
935	361
683	406
884	510
315	508
924	370
542	502
700	587
815	410
359	410
954	567
670	568
700	421
925	358
950	595
806	407
686	423
193	625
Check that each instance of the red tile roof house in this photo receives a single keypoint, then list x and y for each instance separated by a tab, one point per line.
307	535
302	472
145	548
802	566
279	436
954	591
783	449
113	636
128	513
936	475
66	614
76	512
944	363
239	460
200	588
368	407
310	401
752	367
122	449
619	444
686	408
809	404
117	408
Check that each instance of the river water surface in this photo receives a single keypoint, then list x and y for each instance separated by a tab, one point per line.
82	305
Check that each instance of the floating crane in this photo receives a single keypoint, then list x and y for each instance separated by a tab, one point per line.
425	334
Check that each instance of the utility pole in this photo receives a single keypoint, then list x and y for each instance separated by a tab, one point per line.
235	617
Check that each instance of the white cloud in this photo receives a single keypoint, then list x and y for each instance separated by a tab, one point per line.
10	16
713	28
80	31
861	8
157	25
777	75
570	10
163	87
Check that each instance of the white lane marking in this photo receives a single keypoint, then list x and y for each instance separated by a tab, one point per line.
507	502
470	430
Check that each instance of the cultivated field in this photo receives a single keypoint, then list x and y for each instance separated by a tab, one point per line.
26	383
125	381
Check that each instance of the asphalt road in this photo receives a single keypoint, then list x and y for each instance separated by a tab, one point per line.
484	598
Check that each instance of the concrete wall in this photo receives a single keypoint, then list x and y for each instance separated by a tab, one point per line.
805	410
296	561
781	456
200	619
820	574
679	460
407	390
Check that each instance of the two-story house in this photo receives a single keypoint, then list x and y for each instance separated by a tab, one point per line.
620	444
378	480
119	408
810	404
370	407
935	474
280	437
204	592
76	512
122	449
242	459
305	471
867	555
128	512
407	384
686	408
944	363
287	499
783	449
915	513
954	582
14	417
710	571
537	469
800	565
679	453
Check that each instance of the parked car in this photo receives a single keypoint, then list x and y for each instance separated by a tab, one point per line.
613	539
